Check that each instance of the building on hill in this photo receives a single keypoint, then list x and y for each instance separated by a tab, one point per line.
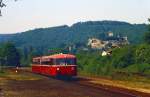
110	42
110	34
95	43
106	53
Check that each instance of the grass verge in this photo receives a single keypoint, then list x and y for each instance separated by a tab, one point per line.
133	82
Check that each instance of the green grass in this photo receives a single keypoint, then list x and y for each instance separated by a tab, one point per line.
3	73
122	76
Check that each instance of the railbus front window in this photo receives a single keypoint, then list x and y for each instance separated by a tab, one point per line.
65	61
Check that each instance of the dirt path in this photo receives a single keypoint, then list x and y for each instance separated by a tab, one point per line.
25	84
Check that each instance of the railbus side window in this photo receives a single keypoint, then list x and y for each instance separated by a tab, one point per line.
49	62
36	61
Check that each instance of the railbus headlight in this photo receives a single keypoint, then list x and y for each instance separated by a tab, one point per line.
57	69
72	68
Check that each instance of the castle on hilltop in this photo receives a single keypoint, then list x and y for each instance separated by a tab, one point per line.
110	42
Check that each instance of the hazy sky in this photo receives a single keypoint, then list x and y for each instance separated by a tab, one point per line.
29	14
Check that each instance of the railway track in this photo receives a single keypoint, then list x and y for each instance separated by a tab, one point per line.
109	89
81	81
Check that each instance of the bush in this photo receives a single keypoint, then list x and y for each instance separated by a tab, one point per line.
122	57
142	54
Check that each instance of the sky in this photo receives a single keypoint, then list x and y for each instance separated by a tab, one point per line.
26	15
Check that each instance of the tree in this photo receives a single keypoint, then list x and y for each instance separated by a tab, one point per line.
1	61
142	54
147	35
123	57
27	53
2	4
10	55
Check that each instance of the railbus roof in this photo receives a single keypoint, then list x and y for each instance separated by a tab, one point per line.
56	56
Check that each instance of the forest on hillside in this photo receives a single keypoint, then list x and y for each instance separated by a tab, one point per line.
45	39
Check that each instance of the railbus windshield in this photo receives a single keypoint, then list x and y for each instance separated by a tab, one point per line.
65	61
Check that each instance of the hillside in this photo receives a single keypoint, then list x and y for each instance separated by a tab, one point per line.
78	33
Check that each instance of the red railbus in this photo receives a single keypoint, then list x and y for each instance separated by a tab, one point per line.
55	65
